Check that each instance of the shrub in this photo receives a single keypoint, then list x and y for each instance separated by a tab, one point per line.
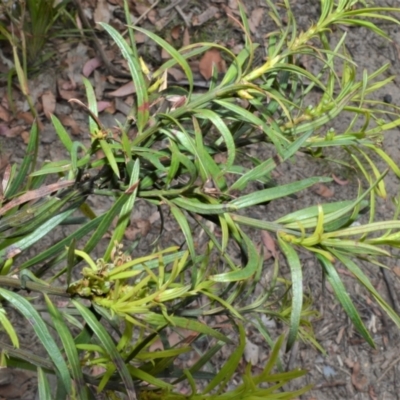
190	157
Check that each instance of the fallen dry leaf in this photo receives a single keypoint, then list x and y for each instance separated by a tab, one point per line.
102	105
396	270
176	73
6	177
176	101
269	245
186	37
49	103
27	117
205	16
139	227
256	17
4	114
91	65
68	94
15	383
162	23
70	122
359	382
220	158
233	4
4	161
122	106
175	337
251	352
210	59
97	370
100	83
6	131
340	181
371	393
101	13
65	85
164	54
25	136
141	7
152	16
323	190
140	37
154	217
77	56
176	32
124	90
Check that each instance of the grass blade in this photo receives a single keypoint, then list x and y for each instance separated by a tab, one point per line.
28	162
344	298
109	346
38	325
69	348
126	210
137	76
297	290
43	385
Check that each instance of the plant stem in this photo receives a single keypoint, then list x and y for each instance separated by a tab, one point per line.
37	287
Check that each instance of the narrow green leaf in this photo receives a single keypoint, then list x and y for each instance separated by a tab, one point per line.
126	210
297	289
148	377
8	327
105	223
91	96
192	204
264	168
110	156
269	194
272	361
344	298
172	52
185	227
27	163
312	213
38	325
254	263
108	344
223	130
136	73
363	279
61	245
75	161
69	348
228	369
186	323
62	133
35	236
43	385
244	115
53	167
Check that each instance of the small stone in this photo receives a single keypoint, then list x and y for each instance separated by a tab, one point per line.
387	98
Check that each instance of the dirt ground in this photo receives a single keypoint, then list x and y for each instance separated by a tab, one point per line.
350	369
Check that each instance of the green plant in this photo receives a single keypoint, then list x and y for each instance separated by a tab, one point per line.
26	26
28	23
124	304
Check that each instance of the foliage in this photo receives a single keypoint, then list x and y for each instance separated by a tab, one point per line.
190	157
27	26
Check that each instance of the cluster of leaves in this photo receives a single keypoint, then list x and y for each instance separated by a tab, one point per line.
121	306
26	26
